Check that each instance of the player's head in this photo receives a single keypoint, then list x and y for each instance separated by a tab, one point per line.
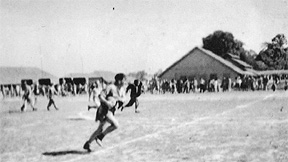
136	82
120	79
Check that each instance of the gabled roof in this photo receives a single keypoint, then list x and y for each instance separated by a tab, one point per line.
213	55
242	63
14	75
251	72
271	72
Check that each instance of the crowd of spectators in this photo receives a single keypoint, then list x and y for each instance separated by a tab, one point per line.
64	89
162	86
225	84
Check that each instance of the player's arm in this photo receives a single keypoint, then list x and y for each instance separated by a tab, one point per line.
128	88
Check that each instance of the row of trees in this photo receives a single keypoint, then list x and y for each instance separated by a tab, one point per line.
274	55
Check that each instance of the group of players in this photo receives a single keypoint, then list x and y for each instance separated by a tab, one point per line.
106	101
30	99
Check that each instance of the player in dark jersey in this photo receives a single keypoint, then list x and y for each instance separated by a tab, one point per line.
135	92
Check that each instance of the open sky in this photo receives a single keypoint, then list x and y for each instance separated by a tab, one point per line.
64	36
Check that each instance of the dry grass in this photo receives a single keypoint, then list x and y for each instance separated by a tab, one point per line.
236	126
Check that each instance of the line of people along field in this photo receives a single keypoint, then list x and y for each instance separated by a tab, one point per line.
226	84
68	87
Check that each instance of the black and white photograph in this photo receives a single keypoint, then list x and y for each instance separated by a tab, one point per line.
144	80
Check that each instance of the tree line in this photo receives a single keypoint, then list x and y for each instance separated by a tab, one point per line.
274	55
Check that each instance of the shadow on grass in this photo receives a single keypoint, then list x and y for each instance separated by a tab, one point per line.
20	112
76	119
66	152
15	112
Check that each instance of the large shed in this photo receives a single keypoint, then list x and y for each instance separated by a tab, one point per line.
202	63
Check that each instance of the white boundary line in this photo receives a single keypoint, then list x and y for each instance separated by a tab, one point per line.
167	130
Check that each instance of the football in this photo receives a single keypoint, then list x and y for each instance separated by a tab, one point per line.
112	100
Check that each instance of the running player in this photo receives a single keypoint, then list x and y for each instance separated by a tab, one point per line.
105	113
28	98
50	96
135	92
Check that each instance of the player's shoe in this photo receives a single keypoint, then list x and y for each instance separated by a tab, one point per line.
34	109
137	111
99	142
89	107
87	146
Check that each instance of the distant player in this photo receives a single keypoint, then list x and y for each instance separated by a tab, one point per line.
95	92
135	92
2	91
28	98
105	113
50	96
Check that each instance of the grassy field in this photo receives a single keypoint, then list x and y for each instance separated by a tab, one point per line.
230	127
